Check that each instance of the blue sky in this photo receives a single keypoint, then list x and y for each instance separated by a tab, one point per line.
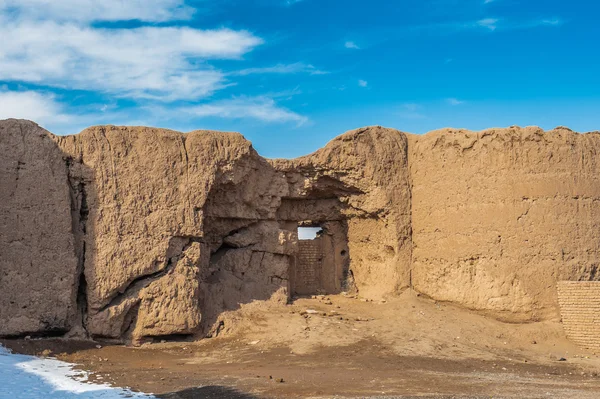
292	74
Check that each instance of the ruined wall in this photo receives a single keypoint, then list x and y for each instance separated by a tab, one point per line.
159	205
580	311
366	170
38	261
134	233
499	216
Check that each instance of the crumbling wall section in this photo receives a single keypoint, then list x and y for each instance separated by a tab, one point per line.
160	204
580	311
500	216
137	233
366	171
38	260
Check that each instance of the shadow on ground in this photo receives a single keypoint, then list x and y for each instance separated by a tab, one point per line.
208	392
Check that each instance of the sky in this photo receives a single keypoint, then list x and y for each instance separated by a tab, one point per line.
290	75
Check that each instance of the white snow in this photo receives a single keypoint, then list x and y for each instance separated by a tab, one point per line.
29	377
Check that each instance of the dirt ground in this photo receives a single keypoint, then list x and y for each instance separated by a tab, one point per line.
341	346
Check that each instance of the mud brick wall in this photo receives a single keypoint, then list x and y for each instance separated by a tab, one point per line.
308	267
580	309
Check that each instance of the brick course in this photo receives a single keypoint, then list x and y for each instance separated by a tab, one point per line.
580	310
308	266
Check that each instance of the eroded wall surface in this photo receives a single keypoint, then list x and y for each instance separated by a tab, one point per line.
159	206
366	170
500	216
38	261
132	233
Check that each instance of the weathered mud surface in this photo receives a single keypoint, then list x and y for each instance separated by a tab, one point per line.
347	348
137	234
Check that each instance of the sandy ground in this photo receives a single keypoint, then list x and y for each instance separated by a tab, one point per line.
339	346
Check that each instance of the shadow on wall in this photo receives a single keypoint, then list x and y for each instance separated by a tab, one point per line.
167	231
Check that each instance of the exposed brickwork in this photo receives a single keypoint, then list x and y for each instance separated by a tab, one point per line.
308	267
580	309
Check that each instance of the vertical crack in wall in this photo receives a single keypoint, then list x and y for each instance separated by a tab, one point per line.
79	215
410	211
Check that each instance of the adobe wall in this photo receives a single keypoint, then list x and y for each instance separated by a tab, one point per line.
499	216
132	233
38	258
580	311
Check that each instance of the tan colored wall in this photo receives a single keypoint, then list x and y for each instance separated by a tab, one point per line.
38	261
488	220
580	311
308	267
366	171
499	216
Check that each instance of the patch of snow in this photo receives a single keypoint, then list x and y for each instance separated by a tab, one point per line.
29	377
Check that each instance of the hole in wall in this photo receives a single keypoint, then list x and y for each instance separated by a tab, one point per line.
309	233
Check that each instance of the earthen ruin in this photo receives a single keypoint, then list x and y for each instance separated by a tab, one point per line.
134	233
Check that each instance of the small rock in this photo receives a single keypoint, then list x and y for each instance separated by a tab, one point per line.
46	353
534	342
280	380
254	342
562	359
98	346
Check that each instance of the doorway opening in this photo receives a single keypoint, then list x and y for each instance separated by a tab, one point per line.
321	263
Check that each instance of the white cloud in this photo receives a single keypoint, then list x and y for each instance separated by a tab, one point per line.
552	21
352	45
363	83
454	101
261	108
166	63
95	10
31	105
489	23
297	67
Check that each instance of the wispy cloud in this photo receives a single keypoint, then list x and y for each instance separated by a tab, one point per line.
260	108
42	108
552	21
454	101
489	23
94	10
363	83
165	63
494	24
298	67
351	45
